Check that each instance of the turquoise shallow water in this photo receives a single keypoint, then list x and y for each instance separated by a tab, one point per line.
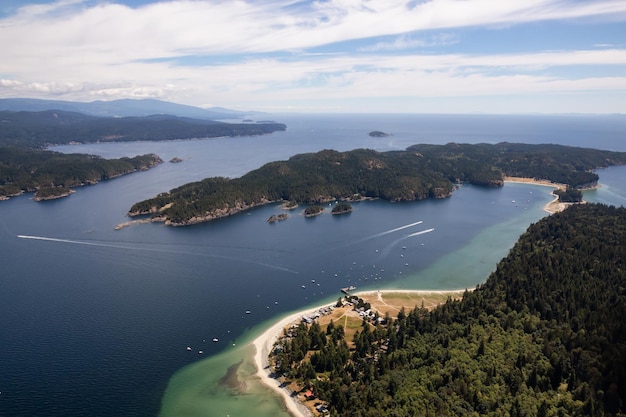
196	390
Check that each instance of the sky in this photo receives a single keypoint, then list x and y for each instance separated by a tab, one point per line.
343	56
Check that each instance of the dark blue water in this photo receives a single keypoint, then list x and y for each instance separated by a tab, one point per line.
93	321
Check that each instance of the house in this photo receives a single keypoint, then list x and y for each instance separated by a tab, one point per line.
309	395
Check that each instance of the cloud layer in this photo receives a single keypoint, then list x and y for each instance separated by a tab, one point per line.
340	55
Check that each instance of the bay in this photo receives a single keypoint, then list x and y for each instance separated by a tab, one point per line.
95	321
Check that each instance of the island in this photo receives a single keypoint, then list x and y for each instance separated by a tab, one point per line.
289	205
378	134
176	160
314	210
419	172
275	218
341	208
537	338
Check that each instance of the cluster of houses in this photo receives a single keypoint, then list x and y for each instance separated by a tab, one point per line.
369	315
363	309
324	311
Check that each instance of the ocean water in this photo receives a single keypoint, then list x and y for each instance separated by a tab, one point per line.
96	322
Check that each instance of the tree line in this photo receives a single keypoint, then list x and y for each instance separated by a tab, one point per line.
420	172
50	174
543	336
54	127
26	167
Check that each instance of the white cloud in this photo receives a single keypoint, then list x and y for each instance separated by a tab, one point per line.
165	29
408	42
249	54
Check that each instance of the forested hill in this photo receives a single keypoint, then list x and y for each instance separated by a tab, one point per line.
24	167
53	175
40	129
545	335
422	171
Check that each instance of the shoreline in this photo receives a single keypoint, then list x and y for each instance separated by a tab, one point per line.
553	206
264	343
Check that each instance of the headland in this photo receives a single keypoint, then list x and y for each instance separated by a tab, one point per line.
383	301
553	206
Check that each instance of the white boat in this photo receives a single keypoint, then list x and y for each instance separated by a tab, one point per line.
215	339
188	347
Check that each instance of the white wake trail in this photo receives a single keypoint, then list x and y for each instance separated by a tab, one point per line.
406	226
137	248
54	239
421	233
398	229
386	251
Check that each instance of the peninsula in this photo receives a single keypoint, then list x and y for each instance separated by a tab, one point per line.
53	127
534	338
386	301
26	167
419	172
50	175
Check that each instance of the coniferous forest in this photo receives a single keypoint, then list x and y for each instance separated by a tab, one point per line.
44	128
545	335
420	172
26	167
52	174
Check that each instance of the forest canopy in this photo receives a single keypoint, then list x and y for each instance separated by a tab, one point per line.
543	336
420	172
26	167
52	174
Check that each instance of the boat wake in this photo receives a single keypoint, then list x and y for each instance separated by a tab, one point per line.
75	242
421	233
386	232
148	249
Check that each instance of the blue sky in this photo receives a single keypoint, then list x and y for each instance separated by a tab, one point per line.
409	56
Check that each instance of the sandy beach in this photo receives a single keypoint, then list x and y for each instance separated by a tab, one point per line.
264	343
263	346
553	206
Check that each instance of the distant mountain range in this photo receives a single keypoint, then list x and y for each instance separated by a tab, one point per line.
121	108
